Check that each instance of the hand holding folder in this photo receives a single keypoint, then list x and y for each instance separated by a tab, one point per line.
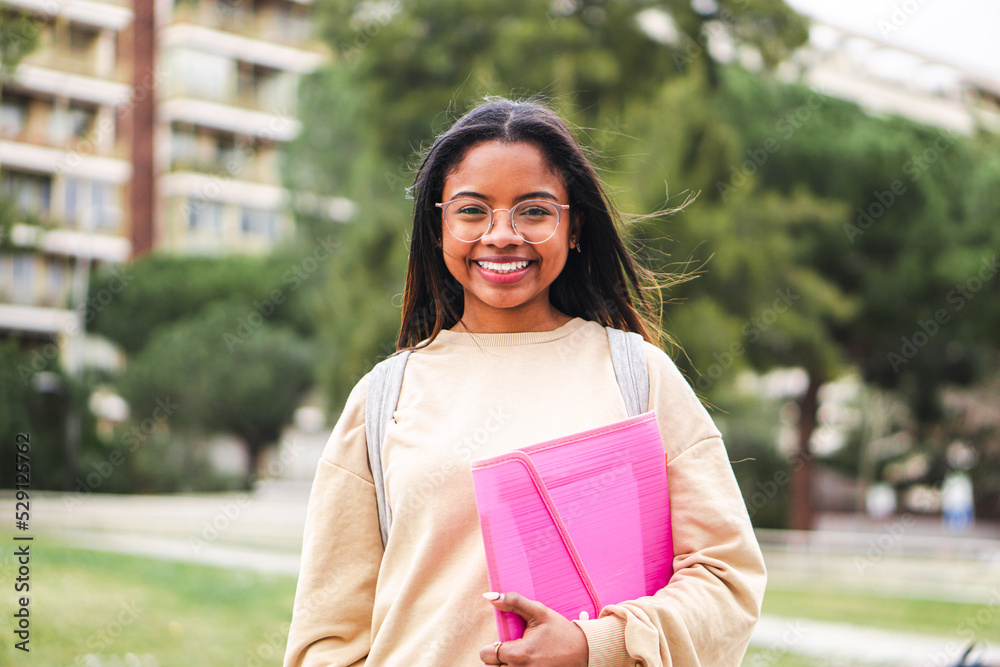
578	522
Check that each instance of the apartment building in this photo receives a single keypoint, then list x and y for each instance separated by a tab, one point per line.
226	103
63	159
141	126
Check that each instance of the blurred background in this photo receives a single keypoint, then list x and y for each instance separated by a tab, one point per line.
203	232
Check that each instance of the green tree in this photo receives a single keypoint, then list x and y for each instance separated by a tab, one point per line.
221	380
388	94
128	304
914	230
760	301
18	38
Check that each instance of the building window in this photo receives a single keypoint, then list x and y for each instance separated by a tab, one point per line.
74	121
204	216
13	115
259	222
203	75
183	147
32	192
90	205
24	277
81	39
102	207
55	287
70	205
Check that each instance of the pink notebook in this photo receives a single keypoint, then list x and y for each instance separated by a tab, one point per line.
579	522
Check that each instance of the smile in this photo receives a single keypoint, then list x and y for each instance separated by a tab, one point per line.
503	268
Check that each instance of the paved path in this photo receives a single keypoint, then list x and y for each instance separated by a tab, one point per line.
860	645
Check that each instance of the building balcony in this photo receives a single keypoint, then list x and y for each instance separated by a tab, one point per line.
272	95
231	168
223	189
35	76
47	160
21	140
111	14
276	126
73	62
267	24
39	320
72	243
297	59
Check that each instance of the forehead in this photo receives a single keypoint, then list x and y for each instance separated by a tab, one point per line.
498	169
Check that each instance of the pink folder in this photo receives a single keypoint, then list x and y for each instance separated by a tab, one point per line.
578	522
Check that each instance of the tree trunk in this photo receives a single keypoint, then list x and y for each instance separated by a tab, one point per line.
254	450
801	507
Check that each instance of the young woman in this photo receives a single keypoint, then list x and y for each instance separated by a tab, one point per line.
516	266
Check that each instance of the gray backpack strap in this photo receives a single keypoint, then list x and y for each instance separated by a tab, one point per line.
384	383
628	354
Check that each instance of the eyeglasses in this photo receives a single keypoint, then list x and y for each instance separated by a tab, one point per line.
469	220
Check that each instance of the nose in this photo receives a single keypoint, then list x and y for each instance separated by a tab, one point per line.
502	232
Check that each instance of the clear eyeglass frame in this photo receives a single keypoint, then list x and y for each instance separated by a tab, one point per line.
510	211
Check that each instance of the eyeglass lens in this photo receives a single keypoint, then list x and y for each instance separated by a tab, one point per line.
534	221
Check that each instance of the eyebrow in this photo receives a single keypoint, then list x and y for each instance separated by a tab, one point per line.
538	194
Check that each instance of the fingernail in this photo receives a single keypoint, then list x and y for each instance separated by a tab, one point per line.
493	597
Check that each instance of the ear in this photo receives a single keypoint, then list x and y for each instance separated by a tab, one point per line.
575	228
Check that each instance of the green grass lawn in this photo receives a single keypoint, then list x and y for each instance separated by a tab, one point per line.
763	658
945	619
107	606
93	609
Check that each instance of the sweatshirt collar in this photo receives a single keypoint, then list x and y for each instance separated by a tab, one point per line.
509	339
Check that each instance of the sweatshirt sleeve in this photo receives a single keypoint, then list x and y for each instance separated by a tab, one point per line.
706	614
341	552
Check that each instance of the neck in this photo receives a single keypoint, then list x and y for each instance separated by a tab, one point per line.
513	323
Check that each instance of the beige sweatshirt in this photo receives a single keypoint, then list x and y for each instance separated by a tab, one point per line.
467	396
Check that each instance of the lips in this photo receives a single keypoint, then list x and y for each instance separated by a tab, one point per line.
502	271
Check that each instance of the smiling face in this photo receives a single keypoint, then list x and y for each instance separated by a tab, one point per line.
505	279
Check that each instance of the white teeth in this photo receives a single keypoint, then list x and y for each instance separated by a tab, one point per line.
503	268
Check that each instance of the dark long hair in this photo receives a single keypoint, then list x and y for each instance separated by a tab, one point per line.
601	283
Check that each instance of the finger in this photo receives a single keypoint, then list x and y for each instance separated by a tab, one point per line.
530	610
488	654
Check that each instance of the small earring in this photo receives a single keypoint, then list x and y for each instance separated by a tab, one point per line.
577	244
